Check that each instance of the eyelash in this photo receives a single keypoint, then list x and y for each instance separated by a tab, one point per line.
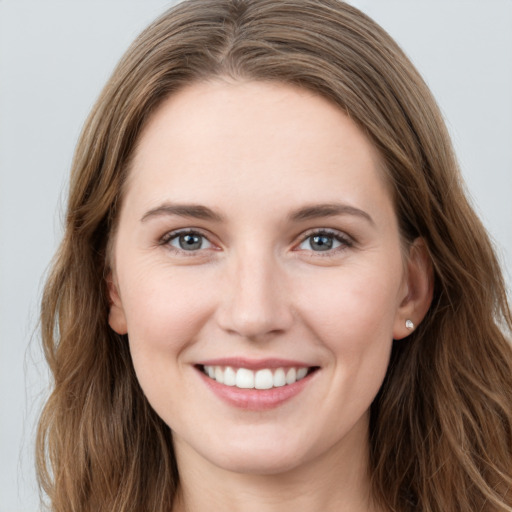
172	235
344	240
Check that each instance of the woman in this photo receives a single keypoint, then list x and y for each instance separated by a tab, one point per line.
265	295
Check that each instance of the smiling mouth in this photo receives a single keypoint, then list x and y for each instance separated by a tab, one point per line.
265	378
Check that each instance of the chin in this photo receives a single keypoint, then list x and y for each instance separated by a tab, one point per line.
269	463
262	458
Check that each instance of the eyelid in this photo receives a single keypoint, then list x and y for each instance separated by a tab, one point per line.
171	235
346	240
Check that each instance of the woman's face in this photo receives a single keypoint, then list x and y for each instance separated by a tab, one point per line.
259	274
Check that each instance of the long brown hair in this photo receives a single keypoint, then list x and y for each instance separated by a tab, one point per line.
441	426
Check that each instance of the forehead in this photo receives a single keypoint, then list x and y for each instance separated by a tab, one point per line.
217	136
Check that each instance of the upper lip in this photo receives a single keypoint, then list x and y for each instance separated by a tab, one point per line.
254	364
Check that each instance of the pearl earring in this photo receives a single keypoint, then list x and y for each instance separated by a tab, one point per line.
409	324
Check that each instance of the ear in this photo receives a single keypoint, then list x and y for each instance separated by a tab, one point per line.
116	316
418	290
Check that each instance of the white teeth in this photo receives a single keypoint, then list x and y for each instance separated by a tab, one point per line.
219	375
291	376
261	379
244	378
301	373
279	378
229	376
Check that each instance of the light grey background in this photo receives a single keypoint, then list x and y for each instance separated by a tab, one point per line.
54	58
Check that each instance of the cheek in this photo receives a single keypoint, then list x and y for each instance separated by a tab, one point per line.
353	318
165	311
352	304
165	308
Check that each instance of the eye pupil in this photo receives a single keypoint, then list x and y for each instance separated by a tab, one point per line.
321	242
190	242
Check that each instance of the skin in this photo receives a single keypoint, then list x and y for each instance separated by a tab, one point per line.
255	153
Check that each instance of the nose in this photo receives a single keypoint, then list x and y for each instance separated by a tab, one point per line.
255	303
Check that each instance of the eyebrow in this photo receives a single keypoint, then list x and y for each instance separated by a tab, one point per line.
329	210
194	211
197	211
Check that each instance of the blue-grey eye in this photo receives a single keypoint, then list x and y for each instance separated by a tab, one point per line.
320	242
190	242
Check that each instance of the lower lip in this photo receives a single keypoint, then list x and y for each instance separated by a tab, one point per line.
256	399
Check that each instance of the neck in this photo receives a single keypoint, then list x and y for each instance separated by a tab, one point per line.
337	481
